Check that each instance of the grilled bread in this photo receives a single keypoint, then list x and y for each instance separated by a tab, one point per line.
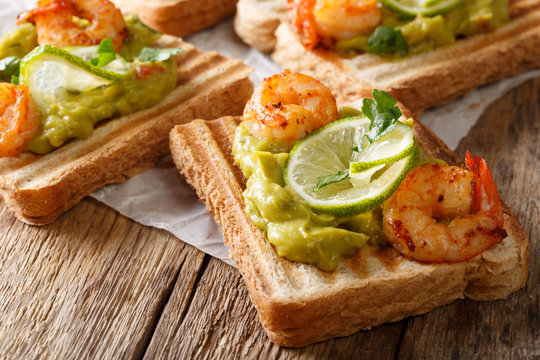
298	304
38	189
447	72
179	17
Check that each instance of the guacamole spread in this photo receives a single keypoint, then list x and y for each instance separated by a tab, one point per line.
424	33
297	233
73	114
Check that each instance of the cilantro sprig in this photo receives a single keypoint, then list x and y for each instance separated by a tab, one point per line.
386	40
383	112
9	69
323	181
149	54
105	53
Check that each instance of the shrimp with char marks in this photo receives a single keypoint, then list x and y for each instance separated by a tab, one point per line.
319	20
444	213
288	106
19	119
58	22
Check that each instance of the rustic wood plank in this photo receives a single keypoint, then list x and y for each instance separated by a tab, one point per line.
91	285
221	322
507	135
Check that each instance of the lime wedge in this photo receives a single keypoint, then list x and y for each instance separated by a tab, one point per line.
389	148
329	150
48	69
421	7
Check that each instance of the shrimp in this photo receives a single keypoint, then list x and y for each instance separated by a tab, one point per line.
438	215
316	20
61	22
19	119
288	106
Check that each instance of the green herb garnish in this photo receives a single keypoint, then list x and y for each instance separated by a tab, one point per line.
9	68
105	53
383	113
323	181
387	40
149	54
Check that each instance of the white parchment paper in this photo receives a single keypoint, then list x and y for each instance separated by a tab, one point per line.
160	197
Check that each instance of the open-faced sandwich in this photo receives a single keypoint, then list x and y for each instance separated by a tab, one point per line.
404	47
179	17
343	220
89	97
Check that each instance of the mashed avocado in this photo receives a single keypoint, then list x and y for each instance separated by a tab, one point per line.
424	33
297	233
18	42
139	36
75	114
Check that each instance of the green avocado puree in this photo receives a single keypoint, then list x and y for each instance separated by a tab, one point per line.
424	33
18	42
75	114
296	232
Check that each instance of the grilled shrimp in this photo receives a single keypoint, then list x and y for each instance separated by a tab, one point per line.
316	20
61	23
19	119
444	213
288	106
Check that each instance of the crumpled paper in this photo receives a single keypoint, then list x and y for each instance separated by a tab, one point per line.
160	197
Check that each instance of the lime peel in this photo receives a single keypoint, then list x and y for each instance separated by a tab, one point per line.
329	150
421	7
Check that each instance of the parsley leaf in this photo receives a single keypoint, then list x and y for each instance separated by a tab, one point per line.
383	113
105	53
9	68
387	40
323	181
149	54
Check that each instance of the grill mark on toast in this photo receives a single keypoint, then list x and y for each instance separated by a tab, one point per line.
46	167
38	188
521	8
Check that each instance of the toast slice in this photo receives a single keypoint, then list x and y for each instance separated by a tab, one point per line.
178	17
448	72
38	189
298	304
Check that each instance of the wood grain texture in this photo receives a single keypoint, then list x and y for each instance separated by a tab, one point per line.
222	323
95	284
507	136
91	285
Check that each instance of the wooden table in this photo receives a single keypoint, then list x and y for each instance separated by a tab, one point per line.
97	285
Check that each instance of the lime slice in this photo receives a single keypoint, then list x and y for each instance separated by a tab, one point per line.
389	148
421	7
119	65
47	69
329	150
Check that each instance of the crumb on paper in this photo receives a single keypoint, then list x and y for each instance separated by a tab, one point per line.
449	109
474	105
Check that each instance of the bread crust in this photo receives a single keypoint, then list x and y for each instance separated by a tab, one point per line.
299	304
448	72
179	17
38	189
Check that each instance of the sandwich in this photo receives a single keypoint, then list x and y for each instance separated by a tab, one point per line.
324	277
397	54
77	116
179	17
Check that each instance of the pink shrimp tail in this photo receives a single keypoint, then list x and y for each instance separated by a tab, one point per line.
486	195
301	13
